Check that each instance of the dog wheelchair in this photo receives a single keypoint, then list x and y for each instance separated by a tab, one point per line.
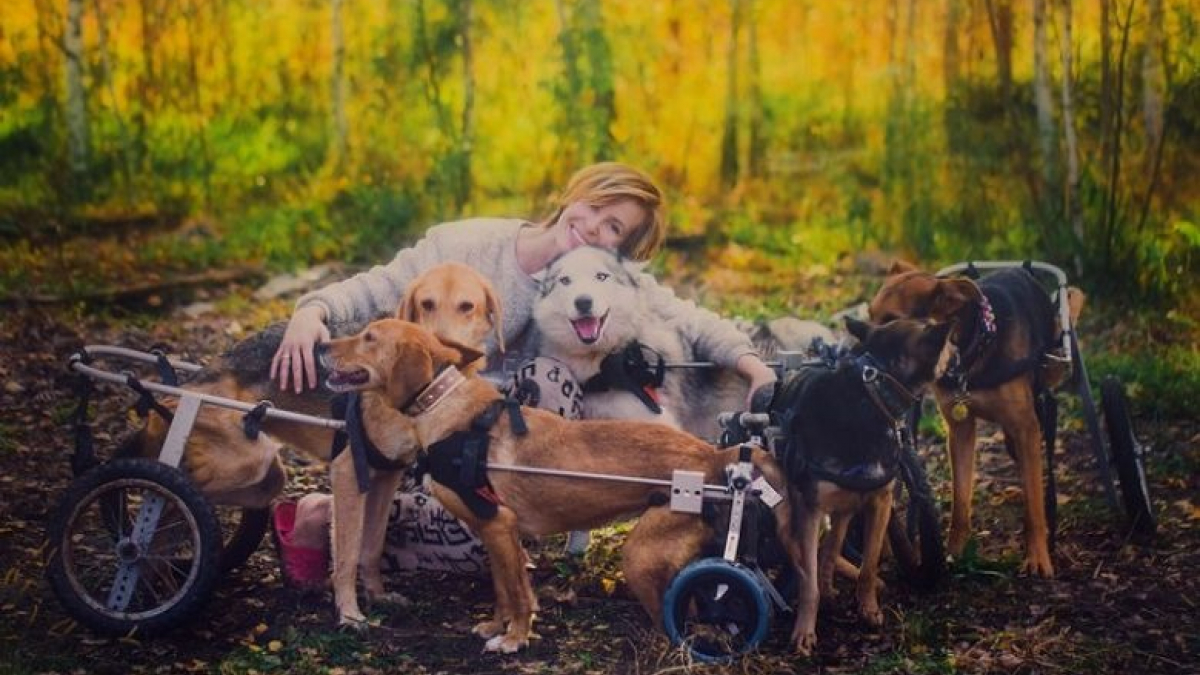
134	546
1122	449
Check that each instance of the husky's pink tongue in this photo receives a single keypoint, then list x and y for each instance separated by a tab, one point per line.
587	328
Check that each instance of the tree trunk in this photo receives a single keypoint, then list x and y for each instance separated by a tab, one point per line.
1043	99
1105	114
729	137
340	141
758	139
467	136
1000	19
951	68
1153	82
1071	204
78	141
600	69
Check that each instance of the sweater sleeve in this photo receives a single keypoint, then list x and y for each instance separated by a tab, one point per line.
710	337
378	291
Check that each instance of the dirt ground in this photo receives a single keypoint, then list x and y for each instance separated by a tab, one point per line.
1114	607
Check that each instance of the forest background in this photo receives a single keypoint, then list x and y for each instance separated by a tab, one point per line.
154	139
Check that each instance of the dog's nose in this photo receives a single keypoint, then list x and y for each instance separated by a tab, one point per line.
583	303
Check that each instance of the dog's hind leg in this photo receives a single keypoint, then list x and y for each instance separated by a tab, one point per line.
379	500
660	545
1023	435
876	515
831	551
962	469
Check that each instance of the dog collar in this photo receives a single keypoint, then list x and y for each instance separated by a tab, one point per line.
445	382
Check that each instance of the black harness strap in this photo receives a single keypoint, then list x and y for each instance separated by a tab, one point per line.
252	421
166	372
146	401
363	452
84	457
459	461
629	370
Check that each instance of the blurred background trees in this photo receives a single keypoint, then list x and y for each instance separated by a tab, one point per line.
284	132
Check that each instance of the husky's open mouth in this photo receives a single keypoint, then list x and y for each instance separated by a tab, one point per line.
589	328
347	380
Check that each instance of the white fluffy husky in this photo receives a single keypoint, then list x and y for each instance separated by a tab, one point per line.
594	305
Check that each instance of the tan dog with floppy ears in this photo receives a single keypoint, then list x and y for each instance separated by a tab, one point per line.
452	300
418	374
1001	330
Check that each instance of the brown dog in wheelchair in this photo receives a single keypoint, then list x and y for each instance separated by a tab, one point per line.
231	468
1003	329
409	364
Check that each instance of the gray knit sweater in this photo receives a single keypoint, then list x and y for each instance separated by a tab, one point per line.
489	246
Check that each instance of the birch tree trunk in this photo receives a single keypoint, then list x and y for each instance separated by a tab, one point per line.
729	136
341	127
467	136
1043	99
1153	81
78	141
758	139
1071	204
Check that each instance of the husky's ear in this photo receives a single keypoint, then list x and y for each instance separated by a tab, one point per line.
951	296
861	330
459	354
633	269
901	266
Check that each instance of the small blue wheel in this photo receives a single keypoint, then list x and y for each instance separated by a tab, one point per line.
716	609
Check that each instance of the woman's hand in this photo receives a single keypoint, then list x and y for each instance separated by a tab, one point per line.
295	358
756	373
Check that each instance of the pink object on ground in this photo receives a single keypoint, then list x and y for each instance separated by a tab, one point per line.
304	568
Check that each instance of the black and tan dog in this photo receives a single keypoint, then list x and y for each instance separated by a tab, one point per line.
419	374
843	422
1002	328
231	468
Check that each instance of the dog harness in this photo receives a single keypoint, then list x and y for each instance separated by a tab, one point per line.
348	407
629	370
459	461
889	396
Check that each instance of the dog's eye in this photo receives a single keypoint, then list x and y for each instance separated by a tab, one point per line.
466	307
368	337
602	276
565	281
428	305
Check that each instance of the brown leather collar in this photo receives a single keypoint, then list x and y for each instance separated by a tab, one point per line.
433	393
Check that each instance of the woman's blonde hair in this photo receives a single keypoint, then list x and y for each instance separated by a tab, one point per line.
607	182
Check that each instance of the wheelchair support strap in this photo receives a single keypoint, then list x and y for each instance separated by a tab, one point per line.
181	427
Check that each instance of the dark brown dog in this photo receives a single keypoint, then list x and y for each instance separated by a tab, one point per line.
409	363
1001	329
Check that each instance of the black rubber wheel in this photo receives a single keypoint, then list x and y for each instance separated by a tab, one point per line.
915	528
134	548
1127	456
242	531
716	609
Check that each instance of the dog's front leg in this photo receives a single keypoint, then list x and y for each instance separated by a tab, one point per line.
348	508
962	469
379	501
514	593
804	633
1024	438
879	510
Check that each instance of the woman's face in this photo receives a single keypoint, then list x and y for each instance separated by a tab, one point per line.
607	226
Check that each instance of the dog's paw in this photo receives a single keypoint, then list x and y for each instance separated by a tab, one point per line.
805	643
355	621
488	629
505	644
1038	566
392	599
871	614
